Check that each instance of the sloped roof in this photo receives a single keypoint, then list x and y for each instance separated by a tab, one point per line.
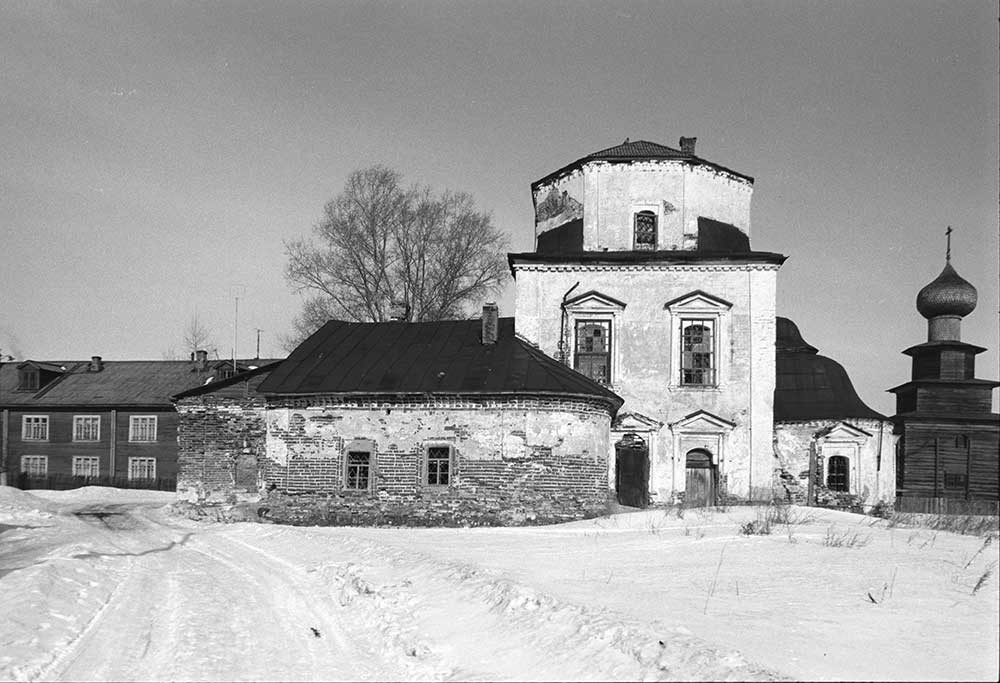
446	357
119	383
809	386
637	150
237	386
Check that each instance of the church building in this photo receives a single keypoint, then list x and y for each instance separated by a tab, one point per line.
644	363
949	441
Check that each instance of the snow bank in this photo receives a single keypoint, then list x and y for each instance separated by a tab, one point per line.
106	494
17	506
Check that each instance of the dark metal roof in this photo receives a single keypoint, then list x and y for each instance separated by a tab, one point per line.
118	383
638	150
809	386
446	357
238	385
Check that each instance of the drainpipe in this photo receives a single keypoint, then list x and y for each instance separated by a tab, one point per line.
562	324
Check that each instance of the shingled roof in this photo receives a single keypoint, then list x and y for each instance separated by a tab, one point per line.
809	386
446	357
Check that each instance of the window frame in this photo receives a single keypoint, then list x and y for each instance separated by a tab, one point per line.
132	428
608	353
452	473
135	461
44	421
369	485
692	307
713	367
645	214
93	463
78	420
846	473
43	459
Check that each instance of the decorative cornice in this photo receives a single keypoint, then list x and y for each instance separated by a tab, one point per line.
641	267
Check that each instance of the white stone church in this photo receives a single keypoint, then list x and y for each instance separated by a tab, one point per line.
644	280
687	386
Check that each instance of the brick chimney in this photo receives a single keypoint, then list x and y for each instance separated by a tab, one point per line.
491	322
200	360
96	364
687	145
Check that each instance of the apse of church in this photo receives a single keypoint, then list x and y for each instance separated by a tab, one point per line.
643	279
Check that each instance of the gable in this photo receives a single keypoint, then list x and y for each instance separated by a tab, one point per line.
843	431
702	421
697	300
594	300
635	422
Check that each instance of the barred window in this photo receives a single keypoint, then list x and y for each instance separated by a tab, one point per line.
86	428
438	466
86	466
35	465
645	231
35	428
698	365
142	468
593	350
837	471
359	469
142	428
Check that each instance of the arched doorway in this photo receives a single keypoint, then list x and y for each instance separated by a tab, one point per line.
632	471
701	479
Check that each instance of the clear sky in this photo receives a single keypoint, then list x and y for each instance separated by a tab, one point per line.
154	156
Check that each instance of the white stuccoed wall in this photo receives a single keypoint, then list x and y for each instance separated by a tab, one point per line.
642	343
677	192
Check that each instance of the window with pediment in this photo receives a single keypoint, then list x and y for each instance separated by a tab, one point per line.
699	324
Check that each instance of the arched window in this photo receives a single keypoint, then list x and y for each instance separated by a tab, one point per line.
837	473
645	231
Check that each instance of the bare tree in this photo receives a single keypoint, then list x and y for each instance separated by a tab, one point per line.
379	245
197	336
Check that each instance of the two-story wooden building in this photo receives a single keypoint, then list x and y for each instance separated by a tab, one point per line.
96	421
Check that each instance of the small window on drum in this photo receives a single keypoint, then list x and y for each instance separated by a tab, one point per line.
645	231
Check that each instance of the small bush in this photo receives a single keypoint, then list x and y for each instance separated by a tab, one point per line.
847	539
755	528
882	510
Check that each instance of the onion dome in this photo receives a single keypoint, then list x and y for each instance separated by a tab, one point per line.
948	294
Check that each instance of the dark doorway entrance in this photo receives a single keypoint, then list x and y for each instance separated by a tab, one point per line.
632	471
700	485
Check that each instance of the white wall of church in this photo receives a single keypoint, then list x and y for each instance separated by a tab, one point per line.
644	367
676	192
872	471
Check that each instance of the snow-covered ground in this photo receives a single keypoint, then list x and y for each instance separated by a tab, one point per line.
128	590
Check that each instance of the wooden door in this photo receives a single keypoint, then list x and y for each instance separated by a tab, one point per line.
632	475
700	481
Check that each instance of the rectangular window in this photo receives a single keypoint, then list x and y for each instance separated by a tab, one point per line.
593	350
954	480
142	428
698	352
439	469
35	465
645	231
35	428
142	468
359	466
86	466
86	428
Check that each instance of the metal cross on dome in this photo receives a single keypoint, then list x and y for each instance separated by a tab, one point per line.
947	254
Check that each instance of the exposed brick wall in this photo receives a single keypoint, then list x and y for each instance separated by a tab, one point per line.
516	460
220	440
